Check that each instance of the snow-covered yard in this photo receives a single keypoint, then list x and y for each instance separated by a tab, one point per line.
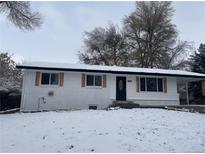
136	130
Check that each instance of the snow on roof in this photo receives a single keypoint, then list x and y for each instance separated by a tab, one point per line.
106	69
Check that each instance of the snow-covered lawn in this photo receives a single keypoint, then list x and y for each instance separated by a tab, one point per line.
136	130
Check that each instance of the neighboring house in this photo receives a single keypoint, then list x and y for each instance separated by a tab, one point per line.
52	86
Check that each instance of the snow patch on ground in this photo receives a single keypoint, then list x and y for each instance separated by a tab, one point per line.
136	130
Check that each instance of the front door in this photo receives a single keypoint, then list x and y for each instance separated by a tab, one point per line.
121	88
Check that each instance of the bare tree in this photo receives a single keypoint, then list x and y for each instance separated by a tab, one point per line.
178	56
152	37
20	14
105	46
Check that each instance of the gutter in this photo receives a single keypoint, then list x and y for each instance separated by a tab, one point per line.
105	71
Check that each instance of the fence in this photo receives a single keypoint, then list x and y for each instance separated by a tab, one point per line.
8	101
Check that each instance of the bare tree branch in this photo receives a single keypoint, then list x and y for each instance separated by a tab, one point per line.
20	14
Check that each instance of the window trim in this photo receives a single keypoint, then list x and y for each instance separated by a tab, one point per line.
50	85
156	85
93	86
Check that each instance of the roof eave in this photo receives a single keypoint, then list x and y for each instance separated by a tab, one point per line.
105	71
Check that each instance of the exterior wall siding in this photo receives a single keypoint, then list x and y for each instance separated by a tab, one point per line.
72	96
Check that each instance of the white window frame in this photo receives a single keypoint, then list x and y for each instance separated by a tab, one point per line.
49	84
156	85
93	86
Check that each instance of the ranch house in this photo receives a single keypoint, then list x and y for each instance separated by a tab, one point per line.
55	86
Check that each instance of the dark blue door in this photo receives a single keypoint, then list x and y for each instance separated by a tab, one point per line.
120	88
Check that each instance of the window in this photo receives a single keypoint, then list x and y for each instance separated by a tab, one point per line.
98	80
90	80
151	84
120	85
49	78
45	78
94	80
92	107
54	79
142	84
160	85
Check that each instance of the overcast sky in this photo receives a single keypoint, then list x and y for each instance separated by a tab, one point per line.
61	34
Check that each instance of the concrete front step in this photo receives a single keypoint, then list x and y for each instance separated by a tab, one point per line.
125	104
117	102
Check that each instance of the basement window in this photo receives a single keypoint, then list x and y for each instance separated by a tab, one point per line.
151	84
49	79
92	107
94	80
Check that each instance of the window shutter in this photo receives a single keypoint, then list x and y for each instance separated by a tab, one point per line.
61	79
104	82
137	84
83	80
165	85
37	81
203	88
